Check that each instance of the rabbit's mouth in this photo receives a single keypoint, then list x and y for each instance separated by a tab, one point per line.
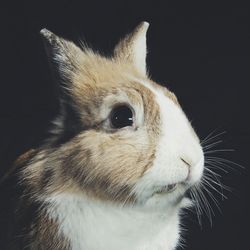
166	189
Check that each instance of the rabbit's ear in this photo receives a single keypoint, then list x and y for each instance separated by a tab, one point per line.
63	56
133	48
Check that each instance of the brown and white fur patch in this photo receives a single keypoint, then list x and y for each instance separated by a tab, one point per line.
106	188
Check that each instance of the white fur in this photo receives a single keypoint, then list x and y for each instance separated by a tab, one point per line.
94	225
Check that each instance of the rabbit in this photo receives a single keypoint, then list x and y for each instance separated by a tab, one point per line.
121	155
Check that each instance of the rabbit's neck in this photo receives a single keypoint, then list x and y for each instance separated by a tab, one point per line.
93	225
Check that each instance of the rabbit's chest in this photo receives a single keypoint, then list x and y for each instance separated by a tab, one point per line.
91	226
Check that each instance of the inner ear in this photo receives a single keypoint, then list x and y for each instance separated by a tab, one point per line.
133	48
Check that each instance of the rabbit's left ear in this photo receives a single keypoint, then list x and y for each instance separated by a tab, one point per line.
133	48
63	56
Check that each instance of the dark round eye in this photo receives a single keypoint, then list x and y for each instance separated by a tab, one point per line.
121	116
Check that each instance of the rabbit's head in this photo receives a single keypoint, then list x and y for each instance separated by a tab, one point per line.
120	136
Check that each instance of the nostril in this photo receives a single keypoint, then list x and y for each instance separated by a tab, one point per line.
188	164
188	167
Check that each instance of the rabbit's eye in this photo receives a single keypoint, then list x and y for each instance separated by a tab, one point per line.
121	116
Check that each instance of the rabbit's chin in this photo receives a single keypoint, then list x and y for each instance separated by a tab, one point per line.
167	197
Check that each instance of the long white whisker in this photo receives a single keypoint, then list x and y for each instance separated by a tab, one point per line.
208	136
218	150
205	141
221	165
209	177
212	145
216	175
217	184
212	164
225	160
206	206
194	196
223	186
212	197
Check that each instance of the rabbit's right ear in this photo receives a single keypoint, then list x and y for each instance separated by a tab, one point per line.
63	56
133	48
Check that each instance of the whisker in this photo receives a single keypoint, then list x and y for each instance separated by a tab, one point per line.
212	172
205	141
206	206
194	197
215	175
226	161
218	184
213	144
209	177
209	135
221	165
218	150
214	165
212	197
214	169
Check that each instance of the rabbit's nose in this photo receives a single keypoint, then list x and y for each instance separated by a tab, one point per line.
195	168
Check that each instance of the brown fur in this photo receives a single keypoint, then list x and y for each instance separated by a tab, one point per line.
44	235
98	161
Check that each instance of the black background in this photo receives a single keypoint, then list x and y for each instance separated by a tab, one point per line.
201	52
